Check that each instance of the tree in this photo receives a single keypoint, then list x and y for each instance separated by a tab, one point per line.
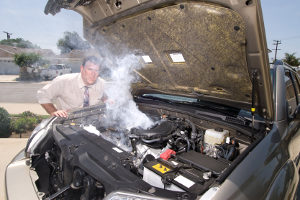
25	60
19	42
291	59
71	41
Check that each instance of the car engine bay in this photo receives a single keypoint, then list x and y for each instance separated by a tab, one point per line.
181	156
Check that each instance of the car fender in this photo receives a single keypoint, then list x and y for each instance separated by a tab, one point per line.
252	178
285	183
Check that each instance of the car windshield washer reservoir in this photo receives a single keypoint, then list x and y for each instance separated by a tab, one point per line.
215	136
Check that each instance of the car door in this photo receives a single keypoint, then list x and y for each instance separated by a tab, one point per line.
286	97
293	101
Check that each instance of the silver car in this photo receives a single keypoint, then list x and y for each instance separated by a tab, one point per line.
55	70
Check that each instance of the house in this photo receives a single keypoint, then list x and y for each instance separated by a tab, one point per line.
7	65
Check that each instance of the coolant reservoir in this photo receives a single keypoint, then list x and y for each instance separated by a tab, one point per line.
215	136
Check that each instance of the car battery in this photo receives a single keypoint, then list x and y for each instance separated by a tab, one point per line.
171	175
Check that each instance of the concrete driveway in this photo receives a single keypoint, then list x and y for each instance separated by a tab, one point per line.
9	147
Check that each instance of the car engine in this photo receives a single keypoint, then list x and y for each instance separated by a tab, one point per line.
178	158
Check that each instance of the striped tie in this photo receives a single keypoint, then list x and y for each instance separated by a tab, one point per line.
86	101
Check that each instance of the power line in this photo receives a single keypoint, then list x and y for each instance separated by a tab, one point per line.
277	42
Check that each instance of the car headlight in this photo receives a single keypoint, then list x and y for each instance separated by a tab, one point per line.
121	195
37	135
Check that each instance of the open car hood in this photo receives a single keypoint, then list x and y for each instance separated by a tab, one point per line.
222	42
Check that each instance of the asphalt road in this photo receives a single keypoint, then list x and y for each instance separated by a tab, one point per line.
17	97
19	92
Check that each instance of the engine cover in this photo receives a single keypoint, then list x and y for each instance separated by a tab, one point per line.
160	130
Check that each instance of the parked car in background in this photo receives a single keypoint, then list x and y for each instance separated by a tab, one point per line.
55	70
226	125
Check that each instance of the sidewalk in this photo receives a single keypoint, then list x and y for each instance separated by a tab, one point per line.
17	108
13	79
8	78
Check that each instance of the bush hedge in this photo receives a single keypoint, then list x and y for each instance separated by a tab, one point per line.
24	122
5	130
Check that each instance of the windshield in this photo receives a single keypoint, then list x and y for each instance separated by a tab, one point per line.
53	67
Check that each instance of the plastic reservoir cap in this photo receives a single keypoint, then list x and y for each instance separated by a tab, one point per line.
167	154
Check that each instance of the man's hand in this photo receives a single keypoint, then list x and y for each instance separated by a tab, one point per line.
60	113
50	108
109	101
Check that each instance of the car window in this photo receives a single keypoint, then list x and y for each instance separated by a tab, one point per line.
59	66
53	67
290	92
297	85
272	76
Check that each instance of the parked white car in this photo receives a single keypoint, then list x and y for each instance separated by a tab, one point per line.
55	70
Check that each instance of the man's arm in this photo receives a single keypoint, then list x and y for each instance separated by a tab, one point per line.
49	92
50	108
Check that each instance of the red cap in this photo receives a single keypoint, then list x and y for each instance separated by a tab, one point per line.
167	154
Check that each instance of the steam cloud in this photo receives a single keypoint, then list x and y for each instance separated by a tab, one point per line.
121	108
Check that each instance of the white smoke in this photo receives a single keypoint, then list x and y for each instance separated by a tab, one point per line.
121	108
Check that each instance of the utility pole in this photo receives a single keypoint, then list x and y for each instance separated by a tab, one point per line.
7	34
277	42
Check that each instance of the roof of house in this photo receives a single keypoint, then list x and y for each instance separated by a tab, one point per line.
9	51
79	53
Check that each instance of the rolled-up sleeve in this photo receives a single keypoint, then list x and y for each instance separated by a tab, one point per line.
49	92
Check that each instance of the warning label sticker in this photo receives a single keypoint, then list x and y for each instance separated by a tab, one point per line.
161	168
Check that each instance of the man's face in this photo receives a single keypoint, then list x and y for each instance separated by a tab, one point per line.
89	73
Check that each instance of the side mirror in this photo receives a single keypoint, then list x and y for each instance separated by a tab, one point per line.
297	113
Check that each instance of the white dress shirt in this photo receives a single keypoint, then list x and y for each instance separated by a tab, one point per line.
67	92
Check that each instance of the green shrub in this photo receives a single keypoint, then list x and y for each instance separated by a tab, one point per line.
5	130
25	122
27	114
19	125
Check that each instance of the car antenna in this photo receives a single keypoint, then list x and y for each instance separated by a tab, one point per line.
254	76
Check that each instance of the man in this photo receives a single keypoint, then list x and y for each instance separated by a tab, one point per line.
73	90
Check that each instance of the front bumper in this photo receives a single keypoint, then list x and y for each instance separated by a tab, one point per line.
19	183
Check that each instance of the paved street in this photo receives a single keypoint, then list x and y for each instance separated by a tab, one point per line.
17	97
19	92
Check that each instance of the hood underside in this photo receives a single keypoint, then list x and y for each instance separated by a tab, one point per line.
222	43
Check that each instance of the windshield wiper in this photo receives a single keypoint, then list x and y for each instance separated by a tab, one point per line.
155	99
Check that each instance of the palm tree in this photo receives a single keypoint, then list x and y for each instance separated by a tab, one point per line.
291	59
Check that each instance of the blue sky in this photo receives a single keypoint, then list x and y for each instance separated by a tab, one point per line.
26	19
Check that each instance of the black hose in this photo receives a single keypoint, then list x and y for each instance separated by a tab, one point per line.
193	133
184	139
193	144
